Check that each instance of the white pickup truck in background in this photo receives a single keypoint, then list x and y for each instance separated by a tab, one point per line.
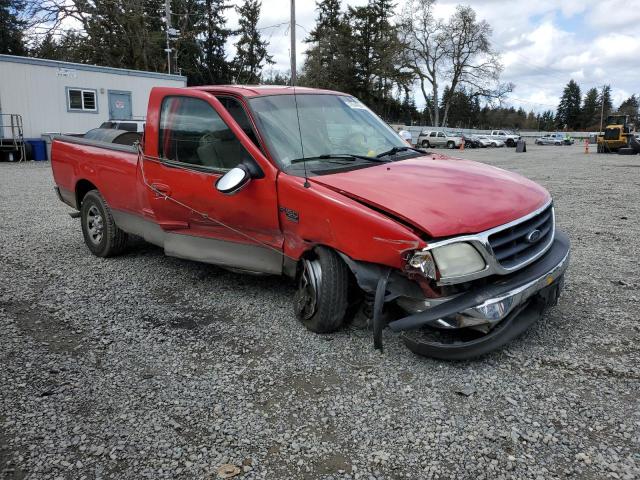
509	138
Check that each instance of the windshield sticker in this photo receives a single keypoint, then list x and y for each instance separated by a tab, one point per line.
353	103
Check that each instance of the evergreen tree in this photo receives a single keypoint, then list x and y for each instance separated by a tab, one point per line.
327	63
215	68
189	21
629	106
590	110
547	122
569	108
251	50
604	103
11	42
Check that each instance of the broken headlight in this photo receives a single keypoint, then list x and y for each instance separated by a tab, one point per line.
423	261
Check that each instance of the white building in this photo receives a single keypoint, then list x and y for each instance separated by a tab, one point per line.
64	97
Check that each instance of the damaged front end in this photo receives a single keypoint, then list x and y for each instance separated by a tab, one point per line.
468	313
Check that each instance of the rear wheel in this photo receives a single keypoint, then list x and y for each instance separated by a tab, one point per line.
101	234
321	299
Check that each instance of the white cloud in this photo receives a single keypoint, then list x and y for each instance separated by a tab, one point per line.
544	43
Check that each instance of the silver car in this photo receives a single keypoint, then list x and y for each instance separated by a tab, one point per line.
551	139
488	141
429	139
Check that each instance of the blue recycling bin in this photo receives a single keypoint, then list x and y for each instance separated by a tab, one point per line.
38	148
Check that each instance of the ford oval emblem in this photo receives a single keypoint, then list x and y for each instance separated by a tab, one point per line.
533	236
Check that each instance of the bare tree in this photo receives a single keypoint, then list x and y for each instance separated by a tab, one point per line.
452	55
471	61
424	39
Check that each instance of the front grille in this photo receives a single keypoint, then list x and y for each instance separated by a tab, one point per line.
517	244
611	133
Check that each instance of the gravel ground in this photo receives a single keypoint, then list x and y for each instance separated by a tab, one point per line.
144	366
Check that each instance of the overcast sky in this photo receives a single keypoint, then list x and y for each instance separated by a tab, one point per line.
543	43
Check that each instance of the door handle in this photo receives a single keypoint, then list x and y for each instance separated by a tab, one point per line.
161	189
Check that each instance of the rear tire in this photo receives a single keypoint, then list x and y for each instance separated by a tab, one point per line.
626	151
322	296
101	234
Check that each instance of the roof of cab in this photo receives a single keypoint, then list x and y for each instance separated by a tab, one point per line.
263	90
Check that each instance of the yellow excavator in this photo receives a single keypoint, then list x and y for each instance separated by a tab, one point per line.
619	133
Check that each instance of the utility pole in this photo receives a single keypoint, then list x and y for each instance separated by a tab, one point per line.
167	13
292	28
601	108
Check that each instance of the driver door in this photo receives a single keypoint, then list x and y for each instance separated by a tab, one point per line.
198	142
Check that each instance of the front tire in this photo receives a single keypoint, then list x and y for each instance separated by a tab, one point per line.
511	142
451	145
425	144
101	234
321	299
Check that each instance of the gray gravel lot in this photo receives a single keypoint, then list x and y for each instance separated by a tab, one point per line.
145	366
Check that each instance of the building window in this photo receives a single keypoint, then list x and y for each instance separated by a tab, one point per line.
79	100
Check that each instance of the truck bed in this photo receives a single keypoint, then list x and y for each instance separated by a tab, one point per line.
79	163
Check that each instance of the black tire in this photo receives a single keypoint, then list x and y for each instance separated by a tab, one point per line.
101	234
321	304
626	151
451	145
511	142
425	144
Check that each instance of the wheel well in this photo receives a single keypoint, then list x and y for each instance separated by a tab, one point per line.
82	188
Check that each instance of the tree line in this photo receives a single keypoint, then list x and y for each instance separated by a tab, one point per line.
578	112
380	52
377	52
133	34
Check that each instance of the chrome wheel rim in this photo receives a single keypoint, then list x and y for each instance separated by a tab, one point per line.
306	299
95	225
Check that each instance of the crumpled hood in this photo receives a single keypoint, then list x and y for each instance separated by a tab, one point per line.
441	196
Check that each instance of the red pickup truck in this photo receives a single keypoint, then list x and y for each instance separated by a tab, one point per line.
458	256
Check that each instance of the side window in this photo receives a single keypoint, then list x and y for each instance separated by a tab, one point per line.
440	134
192	132
239	114
432	134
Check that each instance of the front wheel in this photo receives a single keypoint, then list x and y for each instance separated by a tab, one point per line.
321	298
101	234
451	145
425	144
511	142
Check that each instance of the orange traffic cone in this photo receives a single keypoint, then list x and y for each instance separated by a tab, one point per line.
462	145
586	145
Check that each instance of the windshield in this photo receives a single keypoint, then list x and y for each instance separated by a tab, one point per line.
329	125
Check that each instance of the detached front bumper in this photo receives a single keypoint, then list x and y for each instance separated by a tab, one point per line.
509	306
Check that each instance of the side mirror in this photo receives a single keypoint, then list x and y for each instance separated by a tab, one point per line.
234	180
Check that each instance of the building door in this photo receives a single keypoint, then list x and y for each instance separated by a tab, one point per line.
119	105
